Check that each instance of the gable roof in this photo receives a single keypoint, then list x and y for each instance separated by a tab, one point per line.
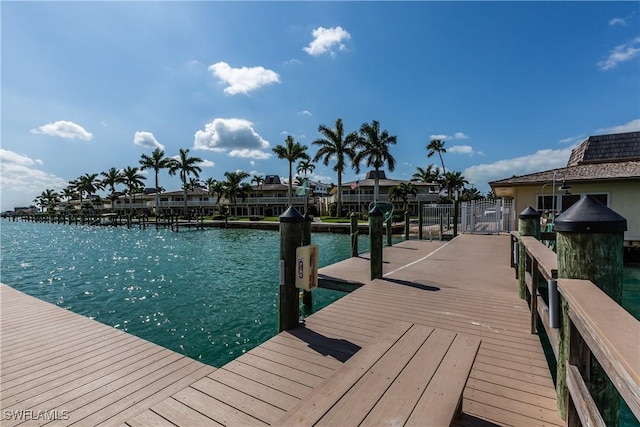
584	172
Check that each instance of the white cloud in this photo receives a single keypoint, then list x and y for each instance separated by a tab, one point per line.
621	53
252	163
632	126
481	175
21	183
327	40
246	153
236	135
206	163
64	129
460	149
443	137
322	178
572	139
146	139
17	159
617	21
293	62
306	113
243	80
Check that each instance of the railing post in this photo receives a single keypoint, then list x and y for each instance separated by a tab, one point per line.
291	225
354	234
590	242
528	225
389	231
375	245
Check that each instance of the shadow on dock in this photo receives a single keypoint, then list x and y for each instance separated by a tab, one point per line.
339	349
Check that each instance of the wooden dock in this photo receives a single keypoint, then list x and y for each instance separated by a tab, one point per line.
85	373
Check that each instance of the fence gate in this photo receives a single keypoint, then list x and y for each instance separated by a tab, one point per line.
487	216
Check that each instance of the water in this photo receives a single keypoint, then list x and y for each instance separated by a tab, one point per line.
211	295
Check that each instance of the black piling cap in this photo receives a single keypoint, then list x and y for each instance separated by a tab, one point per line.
376	211
529	213
589	215
291	215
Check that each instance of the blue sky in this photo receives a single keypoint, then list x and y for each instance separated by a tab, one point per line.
510	86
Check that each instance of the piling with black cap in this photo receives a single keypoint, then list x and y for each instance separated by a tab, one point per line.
291	229
354	234
590	246
528	225
375	239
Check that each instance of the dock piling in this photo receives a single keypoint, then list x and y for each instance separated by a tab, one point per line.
406	225
528	225
354	234
590	245
375	239
291	225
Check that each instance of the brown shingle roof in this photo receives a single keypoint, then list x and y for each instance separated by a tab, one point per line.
629	170
607	148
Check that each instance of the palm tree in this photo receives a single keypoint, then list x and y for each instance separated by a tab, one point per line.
291	151
186	166
236	188
427	175
402	192
305	166
373	146
334	145
133	180
215	188
112	177
155	161
437	146
69	192
87	183
258	180
48	199
453	181
469	194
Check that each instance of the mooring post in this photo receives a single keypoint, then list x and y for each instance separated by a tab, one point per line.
389	231
406	225
420	219
528	225
456	205
590	246
291	225
354	234
375	242
307	296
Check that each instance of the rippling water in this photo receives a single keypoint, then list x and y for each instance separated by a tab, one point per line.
211	295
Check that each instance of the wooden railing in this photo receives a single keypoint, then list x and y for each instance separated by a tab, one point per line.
593	324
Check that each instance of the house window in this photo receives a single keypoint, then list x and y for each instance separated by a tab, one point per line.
545	203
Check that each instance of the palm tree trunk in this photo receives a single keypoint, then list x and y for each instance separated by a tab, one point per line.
339	211
376	188
290	183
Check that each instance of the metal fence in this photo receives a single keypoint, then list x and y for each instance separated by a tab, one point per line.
476	216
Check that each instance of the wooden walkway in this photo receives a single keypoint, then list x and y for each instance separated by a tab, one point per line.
55	360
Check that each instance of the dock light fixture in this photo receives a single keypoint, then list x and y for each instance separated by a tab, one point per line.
563	187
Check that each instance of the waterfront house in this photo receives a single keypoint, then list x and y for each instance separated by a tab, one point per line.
357	195
604	166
